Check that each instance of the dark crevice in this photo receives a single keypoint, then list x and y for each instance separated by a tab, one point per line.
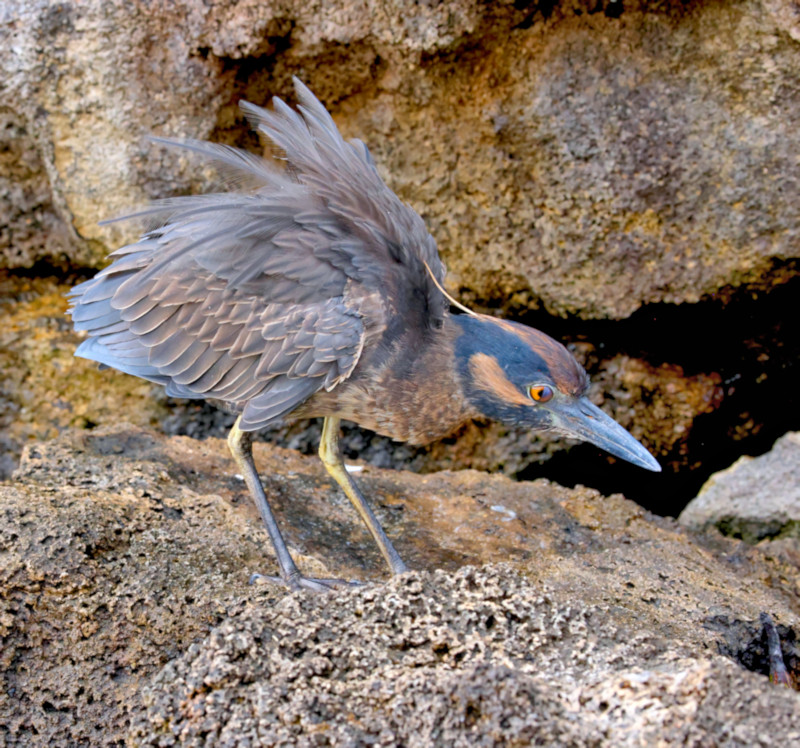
59	268
535	11
276	41
746	337
614	9
746	643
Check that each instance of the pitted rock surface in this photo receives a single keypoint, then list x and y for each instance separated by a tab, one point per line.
479	657
539	613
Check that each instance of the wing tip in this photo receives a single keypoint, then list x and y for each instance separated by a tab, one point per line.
250	109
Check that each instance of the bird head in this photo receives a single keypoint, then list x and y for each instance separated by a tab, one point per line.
522	377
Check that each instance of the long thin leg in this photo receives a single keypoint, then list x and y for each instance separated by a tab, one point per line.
332	459
241	446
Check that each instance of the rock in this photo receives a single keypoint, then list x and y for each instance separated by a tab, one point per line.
31	229
544	614
755	498
44	388
593	165
588	162
476	658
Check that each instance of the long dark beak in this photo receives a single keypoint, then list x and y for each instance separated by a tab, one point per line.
583	420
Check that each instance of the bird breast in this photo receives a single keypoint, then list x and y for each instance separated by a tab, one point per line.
405	389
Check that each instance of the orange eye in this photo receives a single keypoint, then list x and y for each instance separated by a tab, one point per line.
541	393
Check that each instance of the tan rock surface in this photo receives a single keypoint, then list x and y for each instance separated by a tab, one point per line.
31	228
590	162
755	498
44	388
124	552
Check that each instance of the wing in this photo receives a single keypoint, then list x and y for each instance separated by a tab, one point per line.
201	338
264	296
332	191
393	243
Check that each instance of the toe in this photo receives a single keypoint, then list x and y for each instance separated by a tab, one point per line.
300	582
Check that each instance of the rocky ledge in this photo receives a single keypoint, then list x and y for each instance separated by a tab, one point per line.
539	614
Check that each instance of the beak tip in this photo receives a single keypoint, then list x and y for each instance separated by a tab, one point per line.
652	464
637	455
586	421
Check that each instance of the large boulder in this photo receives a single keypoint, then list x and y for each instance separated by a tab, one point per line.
538	613
586	157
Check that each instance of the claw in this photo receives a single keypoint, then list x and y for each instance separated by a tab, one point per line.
306	583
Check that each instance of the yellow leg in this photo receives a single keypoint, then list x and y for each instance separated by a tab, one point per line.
332	459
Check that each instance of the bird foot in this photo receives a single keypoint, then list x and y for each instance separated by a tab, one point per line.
300	582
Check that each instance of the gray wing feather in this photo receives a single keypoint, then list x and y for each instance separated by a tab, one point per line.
227	346
247	296
344	176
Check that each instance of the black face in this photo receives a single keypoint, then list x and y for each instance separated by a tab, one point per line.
522	377
515	374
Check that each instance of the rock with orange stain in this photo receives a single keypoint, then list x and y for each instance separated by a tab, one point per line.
539	613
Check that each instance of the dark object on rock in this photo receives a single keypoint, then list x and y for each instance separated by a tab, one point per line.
778	673
313	291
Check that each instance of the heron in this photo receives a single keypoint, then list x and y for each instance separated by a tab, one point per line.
308	289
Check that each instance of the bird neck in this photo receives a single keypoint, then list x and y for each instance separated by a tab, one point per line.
479	346
434	401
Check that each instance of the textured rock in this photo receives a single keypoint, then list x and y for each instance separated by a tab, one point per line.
30	227
596	163
125	557
478	658
588	161
103	581
91	79
755	498
44	388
